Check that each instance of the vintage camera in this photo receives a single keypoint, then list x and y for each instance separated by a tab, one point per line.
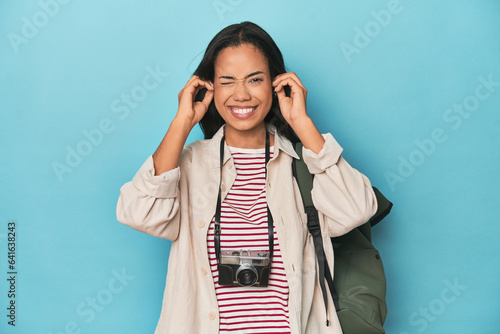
244	267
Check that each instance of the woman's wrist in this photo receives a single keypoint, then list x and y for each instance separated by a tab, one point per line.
308	134
182	123
166	156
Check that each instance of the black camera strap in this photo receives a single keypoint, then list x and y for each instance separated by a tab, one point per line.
217	227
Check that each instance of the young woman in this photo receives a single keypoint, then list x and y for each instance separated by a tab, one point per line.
241	259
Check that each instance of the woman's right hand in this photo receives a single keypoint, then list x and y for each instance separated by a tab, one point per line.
189	109
167	155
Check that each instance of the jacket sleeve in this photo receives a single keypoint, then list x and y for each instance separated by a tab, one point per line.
149	203
341	193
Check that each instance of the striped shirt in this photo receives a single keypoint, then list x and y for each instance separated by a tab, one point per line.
244	226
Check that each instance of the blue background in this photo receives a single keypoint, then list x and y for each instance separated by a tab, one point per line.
382	76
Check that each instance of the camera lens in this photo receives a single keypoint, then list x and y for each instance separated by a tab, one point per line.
246	275
235	253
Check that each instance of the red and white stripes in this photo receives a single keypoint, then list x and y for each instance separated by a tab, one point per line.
244	226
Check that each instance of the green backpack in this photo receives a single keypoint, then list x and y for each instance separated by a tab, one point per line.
358	290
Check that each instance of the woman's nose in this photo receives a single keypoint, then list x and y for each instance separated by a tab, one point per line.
241	92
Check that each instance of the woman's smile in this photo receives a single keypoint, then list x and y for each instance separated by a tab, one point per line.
242	112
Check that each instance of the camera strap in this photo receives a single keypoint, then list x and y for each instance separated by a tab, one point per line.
217	227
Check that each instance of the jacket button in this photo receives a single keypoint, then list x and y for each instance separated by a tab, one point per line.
230	164
223	188
211	316
204	271
201	223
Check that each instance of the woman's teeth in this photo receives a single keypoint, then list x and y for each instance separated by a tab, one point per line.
242	111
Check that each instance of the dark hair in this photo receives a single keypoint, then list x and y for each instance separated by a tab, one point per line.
233	36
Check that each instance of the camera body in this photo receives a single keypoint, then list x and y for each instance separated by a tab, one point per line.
244	268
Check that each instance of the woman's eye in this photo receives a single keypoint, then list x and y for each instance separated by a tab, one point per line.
255	80
251	81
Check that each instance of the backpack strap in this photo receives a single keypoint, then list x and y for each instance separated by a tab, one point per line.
384	207
305	182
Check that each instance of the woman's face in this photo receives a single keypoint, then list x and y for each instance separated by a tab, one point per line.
243	93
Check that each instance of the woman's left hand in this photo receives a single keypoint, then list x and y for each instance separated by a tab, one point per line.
294	111
293	108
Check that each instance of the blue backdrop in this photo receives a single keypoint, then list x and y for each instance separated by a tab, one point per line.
410	89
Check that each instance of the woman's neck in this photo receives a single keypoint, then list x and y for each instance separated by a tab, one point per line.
255	138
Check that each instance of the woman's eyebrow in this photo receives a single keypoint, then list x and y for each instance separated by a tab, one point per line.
248	76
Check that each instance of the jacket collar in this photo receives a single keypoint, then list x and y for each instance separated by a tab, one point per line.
280	144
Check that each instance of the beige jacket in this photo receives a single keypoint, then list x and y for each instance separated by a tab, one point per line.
179	204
